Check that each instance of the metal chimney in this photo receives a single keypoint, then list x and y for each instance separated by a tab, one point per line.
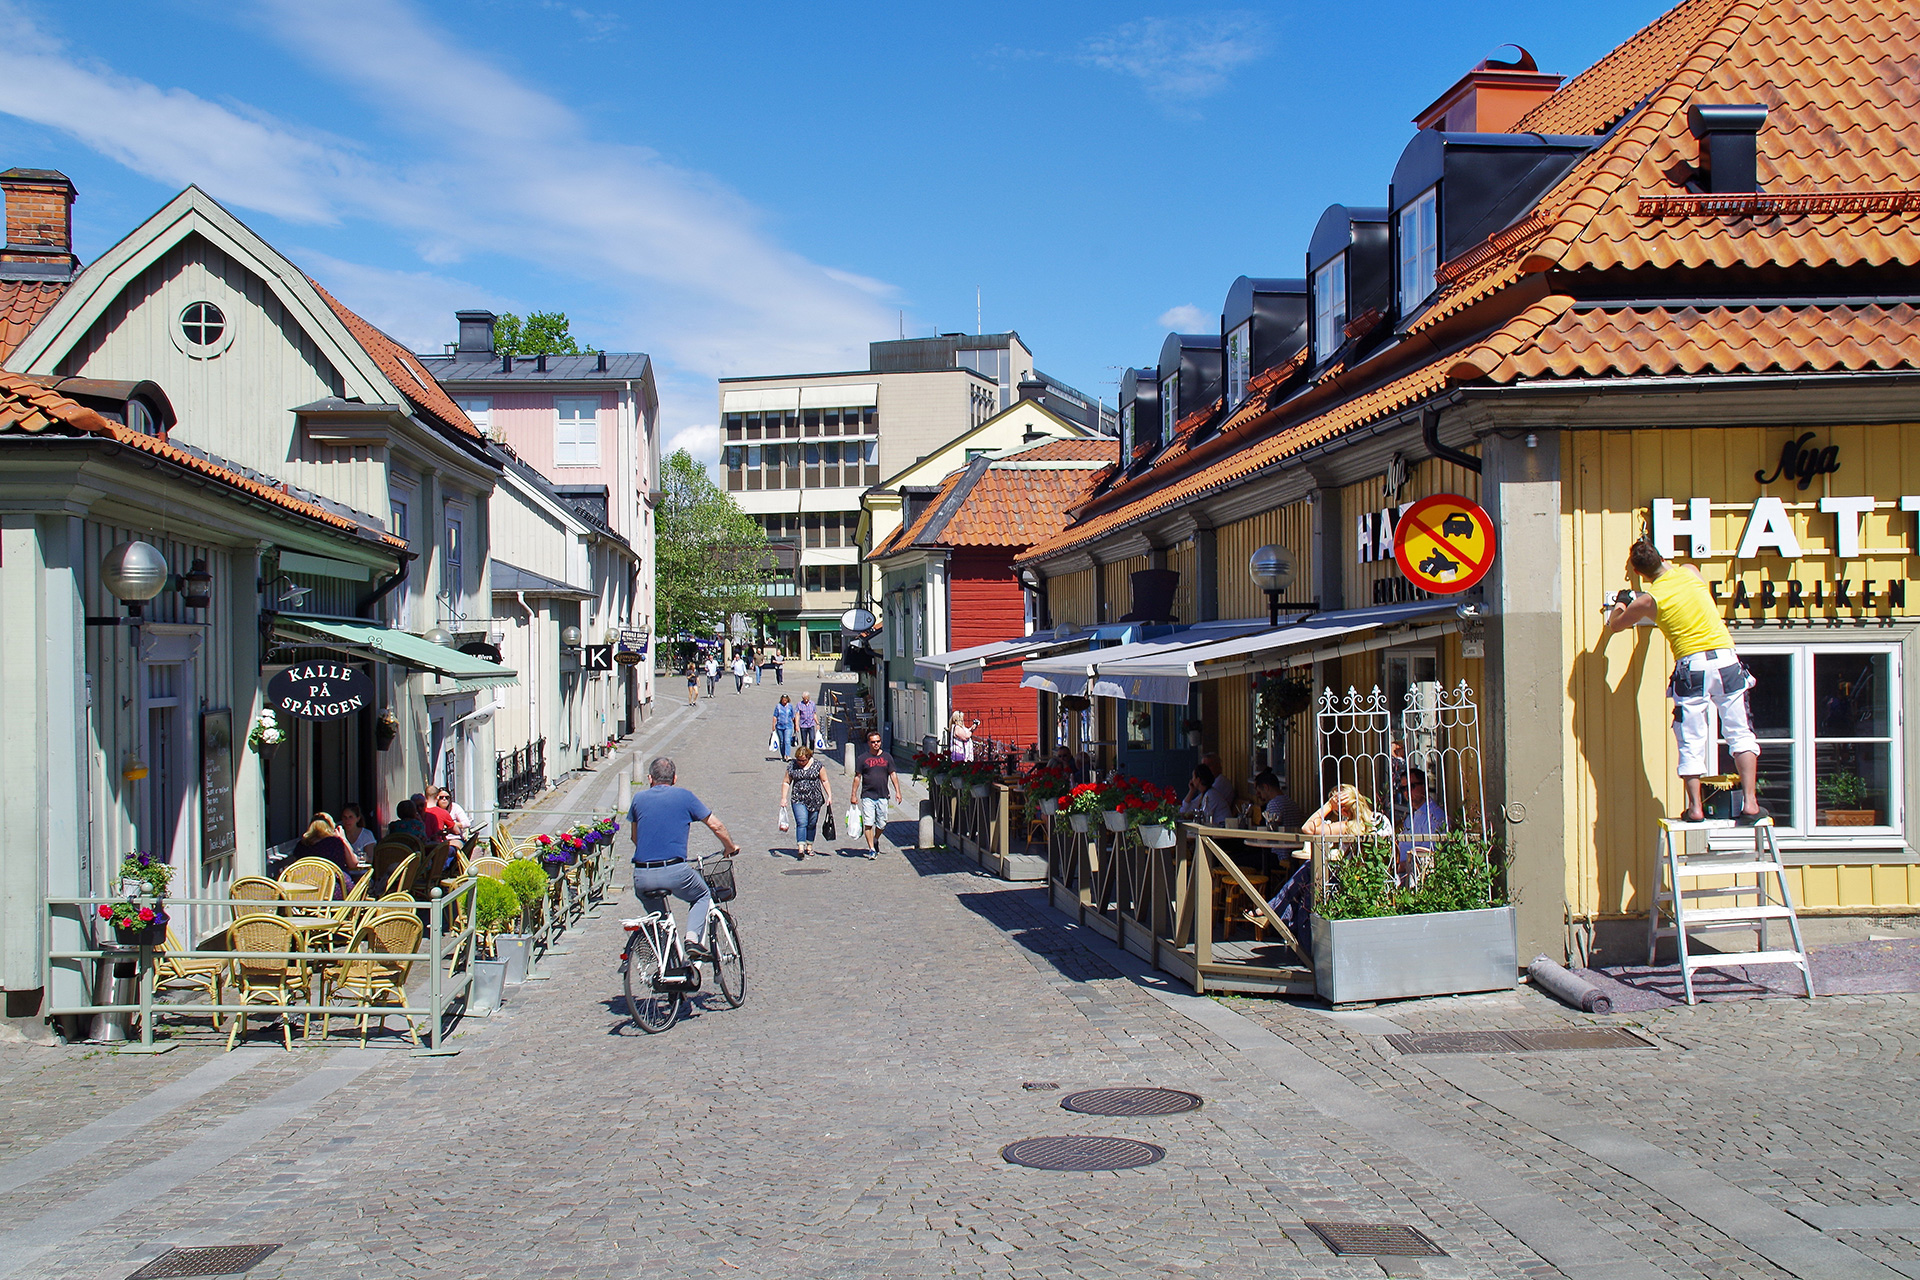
1729	145
476	332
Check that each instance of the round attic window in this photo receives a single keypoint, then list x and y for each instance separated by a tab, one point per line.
203	331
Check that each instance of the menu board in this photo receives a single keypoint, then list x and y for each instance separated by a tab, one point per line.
217	839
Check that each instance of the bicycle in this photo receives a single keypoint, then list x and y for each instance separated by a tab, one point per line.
654	969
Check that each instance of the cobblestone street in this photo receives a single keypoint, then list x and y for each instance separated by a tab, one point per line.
906	1018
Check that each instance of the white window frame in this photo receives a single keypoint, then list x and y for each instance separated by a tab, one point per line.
576	438
453	551
1169	407
1805	738
1418	238
1329	307
1239	363
1127	439
399	523
479	411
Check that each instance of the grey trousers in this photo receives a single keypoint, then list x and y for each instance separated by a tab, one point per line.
682	880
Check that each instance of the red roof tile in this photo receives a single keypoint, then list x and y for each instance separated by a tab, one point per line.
1083	449
1014	501
401	368
22	303
27	407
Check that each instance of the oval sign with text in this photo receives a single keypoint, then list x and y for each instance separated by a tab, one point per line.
320	690
1444	543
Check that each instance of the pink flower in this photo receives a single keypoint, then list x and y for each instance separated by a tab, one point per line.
146	915
106	913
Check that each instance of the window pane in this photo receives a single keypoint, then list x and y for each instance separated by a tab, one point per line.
1850	695
813	455
1139	725
1852	783
1779	765
1770	701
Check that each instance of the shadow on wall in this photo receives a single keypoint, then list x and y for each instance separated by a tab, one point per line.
1610	739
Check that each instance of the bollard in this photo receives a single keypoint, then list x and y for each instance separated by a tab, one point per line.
1567	987
849	756
925	838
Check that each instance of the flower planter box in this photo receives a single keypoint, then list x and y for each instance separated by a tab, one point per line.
515	950
1047	808
1849	818
1155	836
489	985
1114	819
1080	822
979	790
1396	957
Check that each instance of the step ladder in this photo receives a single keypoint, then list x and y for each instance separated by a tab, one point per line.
1759	893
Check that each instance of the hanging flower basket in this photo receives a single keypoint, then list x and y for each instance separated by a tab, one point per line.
1080	822
1155	836
1113	819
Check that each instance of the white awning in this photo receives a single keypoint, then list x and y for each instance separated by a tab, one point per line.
849	395
1073	673
968	666
776	398
1169	675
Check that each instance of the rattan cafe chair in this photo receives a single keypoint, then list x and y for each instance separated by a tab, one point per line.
267	979
492	868
255	889
369	978
315	871
175	971
399	878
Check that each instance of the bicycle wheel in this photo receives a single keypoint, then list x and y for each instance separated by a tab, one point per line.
652	1008
729	964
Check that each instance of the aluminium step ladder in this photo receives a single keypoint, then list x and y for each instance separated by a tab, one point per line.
1685	858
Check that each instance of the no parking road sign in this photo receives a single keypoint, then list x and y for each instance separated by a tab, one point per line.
1444	543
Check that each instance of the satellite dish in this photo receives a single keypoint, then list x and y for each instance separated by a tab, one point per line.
857	620
1271	568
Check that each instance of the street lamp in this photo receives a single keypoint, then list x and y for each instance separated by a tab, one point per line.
1272	569
134	573
440	636
195	586
570	637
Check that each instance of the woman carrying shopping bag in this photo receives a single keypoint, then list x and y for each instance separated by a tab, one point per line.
783	727
808	791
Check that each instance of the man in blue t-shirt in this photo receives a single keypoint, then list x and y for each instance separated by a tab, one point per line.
659	818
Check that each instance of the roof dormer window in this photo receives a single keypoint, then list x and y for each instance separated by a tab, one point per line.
1169	406
1126	433
1239	363
1419	250
1329	307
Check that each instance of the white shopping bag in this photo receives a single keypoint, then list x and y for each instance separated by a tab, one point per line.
853	821
783	817
773	742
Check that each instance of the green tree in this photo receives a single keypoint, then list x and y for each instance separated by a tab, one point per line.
711	557
542	333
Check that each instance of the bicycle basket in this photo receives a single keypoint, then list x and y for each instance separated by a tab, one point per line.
717	871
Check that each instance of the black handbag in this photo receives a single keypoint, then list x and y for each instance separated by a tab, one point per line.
827	830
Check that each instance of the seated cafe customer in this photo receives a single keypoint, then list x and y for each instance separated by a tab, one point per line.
1425	821
1277	808
1203	802
323	840
406	822
1346	813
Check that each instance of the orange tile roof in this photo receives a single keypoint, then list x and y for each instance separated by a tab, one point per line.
22	303
1078	449
1013	501
401	368
29	408
1657	340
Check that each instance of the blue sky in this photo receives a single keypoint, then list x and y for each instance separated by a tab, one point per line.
759	188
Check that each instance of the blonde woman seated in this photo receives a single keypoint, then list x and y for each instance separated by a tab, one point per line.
1346	813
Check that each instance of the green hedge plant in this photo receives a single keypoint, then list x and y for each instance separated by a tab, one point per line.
1464	874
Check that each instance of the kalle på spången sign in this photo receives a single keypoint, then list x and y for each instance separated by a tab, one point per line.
320	690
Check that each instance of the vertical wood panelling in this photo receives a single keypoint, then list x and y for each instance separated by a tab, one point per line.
1070	599
1183	560
1118	577
1368	496
1290	527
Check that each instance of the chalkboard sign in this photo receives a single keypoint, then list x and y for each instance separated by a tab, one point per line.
320	690
216	785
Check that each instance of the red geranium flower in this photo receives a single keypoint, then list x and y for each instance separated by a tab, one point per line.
146	915
106	913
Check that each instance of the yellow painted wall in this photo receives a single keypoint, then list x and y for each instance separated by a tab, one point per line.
1428	478
1119	583
1620	756
1070	598
1184	560
1290	527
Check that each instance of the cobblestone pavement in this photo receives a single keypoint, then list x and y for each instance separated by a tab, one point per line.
847	1120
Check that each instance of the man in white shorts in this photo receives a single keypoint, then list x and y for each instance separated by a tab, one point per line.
876	777
1706	672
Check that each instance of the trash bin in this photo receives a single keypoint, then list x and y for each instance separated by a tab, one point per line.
116	979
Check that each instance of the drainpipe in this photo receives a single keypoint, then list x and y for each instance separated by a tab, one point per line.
1430	433
380	592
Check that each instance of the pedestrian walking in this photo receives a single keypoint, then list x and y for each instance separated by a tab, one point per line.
876	777
807	720
779	663
739	672
753	670
783	726
693	681
713	673
808	791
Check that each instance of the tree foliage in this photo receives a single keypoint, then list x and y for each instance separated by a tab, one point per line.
542	333
711	556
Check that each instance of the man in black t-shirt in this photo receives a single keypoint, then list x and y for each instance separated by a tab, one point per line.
876	777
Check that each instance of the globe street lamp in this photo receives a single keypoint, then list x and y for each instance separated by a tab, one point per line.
134	573
1272	569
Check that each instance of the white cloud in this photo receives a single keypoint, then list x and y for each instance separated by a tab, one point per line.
415	307
708	291
702	441
1187	318
1180	59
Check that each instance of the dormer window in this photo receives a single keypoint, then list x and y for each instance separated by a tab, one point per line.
1239	363
1329	307
1169	406
1419	250
1126	433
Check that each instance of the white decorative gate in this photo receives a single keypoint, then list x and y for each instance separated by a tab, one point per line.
1439	735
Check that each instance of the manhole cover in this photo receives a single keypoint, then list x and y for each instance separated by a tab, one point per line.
1081	1155
806	871
1131	1102
1520	1041
219	1260
1379	1239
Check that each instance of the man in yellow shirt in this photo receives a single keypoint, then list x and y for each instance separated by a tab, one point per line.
1706	671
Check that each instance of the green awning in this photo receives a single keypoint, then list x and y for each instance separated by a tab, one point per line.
823	624
384	644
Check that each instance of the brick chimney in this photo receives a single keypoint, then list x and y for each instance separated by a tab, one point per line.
1492	97
39	219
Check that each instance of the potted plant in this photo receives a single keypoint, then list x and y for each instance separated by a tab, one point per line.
265	734
1451	932
136	924
144	876
1152	811
1278	697
495	909
1112	799
1080	805
1045	786
1192	729
1845	796
386	727
528	883
976	776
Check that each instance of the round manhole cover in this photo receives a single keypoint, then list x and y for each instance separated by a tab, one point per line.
1081	1155
1131	1102
806	871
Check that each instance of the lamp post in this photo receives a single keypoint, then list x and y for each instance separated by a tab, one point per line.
1272	569
134	573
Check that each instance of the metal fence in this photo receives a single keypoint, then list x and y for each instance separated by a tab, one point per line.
521	774
1439	735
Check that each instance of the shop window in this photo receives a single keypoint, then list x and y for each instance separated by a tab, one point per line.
1828	722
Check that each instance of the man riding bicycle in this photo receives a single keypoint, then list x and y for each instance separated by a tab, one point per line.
659	818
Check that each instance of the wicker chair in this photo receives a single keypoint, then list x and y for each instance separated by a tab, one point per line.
255	889
400	837
303	891
492	868
348	914
175	971
268	980
384	857
399	878
371	979
318	872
